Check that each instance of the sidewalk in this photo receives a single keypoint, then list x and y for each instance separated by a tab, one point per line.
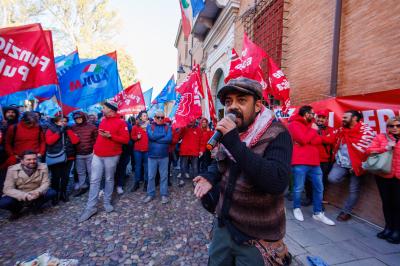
347	243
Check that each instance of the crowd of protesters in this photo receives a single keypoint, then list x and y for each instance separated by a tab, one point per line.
54	159
96	149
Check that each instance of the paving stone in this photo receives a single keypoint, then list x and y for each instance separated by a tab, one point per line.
331	253
309	237
379	245
391	260
294	248
364	262
339	232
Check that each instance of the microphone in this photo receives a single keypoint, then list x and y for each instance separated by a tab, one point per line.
216	138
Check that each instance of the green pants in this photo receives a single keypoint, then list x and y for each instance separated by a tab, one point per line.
224	251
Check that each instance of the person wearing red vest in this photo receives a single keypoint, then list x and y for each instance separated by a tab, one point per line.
305	162
353	139
113	133
140	150
206	134
190	150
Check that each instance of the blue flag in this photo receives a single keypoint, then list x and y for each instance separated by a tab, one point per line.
167	94
147	97
65	62
152	111
175	107
90	82
49	107
197	7
40	93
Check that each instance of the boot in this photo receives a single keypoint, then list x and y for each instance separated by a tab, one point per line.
385	233
64	196
394	238
145	186
56	199
135	187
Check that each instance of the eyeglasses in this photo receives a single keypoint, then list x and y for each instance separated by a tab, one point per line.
394	126
159	117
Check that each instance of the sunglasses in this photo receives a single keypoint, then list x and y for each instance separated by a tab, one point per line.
159	117
394	126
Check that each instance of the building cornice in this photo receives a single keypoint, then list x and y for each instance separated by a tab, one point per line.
178	34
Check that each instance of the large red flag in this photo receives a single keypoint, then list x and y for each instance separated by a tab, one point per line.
211	107
189	107
279	85
130	100
26	59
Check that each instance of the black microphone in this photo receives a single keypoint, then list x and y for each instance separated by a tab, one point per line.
213	141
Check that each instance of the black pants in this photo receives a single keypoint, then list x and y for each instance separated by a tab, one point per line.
205	161
120	172
60	176
15	206
389	190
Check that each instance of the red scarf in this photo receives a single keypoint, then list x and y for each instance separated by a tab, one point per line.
358	139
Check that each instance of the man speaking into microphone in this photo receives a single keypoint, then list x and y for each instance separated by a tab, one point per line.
251	168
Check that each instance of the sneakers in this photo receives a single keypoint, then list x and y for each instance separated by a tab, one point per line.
187	176
147	199
181	183
322	218
298	214
164	199
101	193
120	191
108	207
86	215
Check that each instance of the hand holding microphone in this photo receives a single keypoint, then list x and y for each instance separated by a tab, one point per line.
224	126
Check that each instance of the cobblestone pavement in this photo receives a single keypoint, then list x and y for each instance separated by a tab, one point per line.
173	234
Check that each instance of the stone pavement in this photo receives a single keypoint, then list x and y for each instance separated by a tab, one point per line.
172	234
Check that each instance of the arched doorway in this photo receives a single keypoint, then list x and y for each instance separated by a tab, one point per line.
217	84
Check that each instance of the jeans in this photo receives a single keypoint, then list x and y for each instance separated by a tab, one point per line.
162	165
389	190
205	161
83	165
337	175
60	176
15	206
141	159
300	172
194	160
100	165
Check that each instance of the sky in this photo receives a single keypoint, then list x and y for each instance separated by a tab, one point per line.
148	34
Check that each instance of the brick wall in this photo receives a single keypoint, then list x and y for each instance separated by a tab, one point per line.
307	53
369	49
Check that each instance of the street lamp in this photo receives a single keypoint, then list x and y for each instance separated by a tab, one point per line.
181	70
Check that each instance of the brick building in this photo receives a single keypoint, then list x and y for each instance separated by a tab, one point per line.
326	48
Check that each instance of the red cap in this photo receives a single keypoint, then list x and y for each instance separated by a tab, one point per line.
167	120
322	113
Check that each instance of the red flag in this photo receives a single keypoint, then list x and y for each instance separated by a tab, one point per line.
26	59
211	107
240	68
130	100
279	85
189	107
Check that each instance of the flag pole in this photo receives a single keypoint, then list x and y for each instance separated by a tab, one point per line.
60	101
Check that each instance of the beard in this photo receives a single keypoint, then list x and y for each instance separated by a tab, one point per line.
245	123
346	124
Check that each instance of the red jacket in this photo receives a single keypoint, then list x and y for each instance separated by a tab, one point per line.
176	135
326	147
52	137
141	144
206	134
305	142
379	145
107	147
191	140
25	139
